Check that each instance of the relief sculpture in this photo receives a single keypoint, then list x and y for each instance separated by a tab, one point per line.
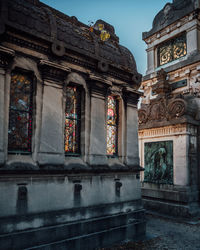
159	162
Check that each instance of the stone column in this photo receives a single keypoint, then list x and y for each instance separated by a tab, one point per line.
51	149
150	60
192	38
2	115
131	142
97	145
6	55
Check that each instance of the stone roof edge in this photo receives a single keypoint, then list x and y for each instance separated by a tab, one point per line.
156	28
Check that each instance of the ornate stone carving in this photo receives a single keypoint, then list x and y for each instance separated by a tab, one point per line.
176	108
162	86
157	111
142	116
167	109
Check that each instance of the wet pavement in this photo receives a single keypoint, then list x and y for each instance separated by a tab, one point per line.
164	234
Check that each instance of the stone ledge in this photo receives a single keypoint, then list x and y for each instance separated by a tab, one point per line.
60	169
16	223
173	209
194	58
166	195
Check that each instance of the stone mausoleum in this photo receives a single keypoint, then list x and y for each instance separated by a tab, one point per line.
69	158
169	116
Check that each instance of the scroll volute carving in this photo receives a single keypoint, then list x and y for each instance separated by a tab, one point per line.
176	108
162	87
142	116
156	111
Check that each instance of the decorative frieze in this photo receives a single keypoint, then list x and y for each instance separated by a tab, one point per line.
173	130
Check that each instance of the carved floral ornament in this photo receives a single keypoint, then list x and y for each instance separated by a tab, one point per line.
104	34
162	111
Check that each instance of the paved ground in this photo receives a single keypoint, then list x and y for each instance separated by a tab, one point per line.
169	234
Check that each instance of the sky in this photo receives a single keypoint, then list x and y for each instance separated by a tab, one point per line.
129	17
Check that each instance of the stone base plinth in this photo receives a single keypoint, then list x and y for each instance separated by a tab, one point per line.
173	201
84	234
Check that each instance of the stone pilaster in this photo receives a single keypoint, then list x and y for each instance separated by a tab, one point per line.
51	149
6	56
97	145
150	60
131	142
193	35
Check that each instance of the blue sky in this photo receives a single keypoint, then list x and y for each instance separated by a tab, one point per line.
129	17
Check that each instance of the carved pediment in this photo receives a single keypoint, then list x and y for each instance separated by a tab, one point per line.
168	110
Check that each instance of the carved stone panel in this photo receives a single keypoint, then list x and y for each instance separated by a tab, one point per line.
158	162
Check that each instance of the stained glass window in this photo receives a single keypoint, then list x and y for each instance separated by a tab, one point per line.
172	50
72	120
112	125
20	113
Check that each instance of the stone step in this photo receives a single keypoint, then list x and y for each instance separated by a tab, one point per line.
71	231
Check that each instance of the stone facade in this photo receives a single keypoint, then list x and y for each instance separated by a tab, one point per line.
169	111
51	199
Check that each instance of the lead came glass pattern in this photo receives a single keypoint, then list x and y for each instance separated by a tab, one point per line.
172	50
72	120
20	113
112	120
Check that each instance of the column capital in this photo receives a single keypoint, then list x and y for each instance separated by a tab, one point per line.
53	71
99	85
131	96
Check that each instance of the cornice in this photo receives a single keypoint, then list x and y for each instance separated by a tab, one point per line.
6	56
53	71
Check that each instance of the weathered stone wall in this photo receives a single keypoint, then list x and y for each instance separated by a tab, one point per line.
170	110
51	199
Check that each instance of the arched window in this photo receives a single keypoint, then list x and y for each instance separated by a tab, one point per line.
112	125
20	112
72	120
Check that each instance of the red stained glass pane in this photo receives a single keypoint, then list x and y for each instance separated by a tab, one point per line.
20	115
112	112
71	136
72	120
111	139
112	126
